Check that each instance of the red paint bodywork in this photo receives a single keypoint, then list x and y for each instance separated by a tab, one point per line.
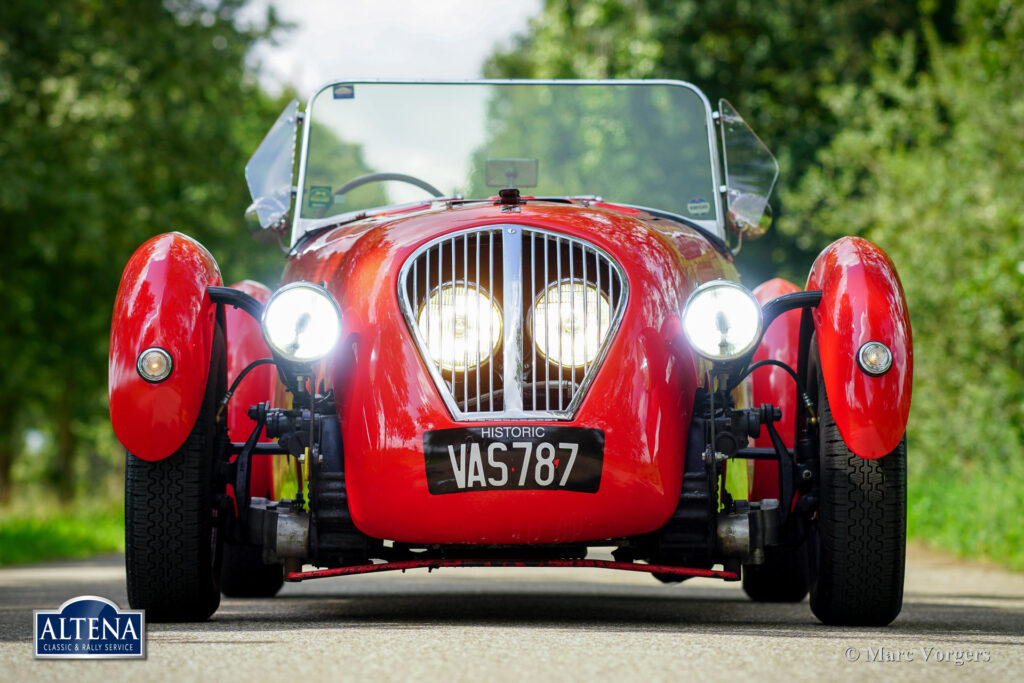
642	397
862	300
246	344
161	301
774	385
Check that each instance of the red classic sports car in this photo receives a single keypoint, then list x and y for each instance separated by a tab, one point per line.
510	333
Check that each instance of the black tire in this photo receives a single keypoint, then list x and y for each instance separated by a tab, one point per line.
172	537
859	545
783	577
244	575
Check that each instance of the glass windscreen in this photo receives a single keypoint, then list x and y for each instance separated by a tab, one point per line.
269	171
750	168
378	144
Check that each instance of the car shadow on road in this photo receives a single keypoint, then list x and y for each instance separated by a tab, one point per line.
628	611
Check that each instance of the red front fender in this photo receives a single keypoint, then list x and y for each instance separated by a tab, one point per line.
162	301
862	300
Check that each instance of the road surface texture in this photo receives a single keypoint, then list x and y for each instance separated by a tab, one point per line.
959	621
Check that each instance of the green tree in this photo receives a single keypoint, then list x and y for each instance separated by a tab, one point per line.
929	166
120	120
770	60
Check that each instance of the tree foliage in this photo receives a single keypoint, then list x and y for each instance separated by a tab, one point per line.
637	145
771	60
929	166
120	120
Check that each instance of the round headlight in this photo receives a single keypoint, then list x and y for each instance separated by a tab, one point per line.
570	322
301	322
722	320
461	325
154	364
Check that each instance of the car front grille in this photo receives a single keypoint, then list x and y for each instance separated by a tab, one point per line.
453	290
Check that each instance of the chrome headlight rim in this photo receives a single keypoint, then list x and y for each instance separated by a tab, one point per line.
606	327
740	352
277	348
472	361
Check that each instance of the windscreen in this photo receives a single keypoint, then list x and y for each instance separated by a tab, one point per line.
378	144
269	171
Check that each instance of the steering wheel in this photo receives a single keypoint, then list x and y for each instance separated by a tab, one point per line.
379	178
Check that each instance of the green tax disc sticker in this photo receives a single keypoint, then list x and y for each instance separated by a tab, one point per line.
320	195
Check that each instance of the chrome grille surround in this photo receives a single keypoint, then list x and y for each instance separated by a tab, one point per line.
512	265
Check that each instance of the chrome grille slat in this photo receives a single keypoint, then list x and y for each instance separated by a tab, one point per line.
547	336
490	331
416	300
510	381
600	292
561	352
572	309
476	370
533	300
586	307
453	280
465	304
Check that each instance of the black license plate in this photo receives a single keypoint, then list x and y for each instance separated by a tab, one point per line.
523	458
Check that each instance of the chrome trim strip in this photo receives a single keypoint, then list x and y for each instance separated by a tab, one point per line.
513	321
512	313
298	228
476	349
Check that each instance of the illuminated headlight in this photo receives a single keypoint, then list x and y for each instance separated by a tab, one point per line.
301	322
874	358
154	364
722	320
461	325
570	322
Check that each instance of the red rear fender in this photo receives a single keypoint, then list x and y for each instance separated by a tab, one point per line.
862	300
245	345
162	301
774	385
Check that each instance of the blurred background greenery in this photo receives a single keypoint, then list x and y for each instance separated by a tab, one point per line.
901	122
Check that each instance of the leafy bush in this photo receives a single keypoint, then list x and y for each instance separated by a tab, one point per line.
52	532
929	166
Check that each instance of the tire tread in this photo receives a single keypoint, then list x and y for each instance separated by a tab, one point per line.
862	525
171	564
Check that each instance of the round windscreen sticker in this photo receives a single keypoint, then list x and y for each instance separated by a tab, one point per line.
698	206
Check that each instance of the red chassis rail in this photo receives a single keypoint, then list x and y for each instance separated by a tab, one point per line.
439	563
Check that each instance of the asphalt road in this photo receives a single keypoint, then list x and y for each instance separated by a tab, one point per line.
537	625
